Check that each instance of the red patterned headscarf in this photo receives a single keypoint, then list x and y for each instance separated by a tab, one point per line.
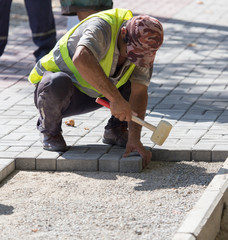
144	37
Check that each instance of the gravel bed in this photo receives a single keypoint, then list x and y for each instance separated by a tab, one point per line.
98	205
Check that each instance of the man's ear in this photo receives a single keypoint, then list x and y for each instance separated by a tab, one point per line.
124	34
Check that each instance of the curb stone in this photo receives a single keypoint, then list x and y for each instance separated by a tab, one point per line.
203	221
7	166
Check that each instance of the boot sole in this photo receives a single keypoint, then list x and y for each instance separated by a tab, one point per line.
112	142
56	150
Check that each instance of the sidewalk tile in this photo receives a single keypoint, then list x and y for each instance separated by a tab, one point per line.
110	162
26	161
131	164
78	162
46	161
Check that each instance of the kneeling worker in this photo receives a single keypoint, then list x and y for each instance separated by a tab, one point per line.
109	54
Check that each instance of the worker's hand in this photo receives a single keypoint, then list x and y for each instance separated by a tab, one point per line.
136	145
121	109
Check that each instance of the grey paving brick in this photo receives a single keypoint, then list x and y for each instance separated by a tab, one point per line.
88	140
131	164
171	154
196	133
102	150
219	152
13	136
17	149
187	142
37	150
7	166
70	161
116	149
78	149
7	154
26	161
20	143
110	162
30	137
46	161
201	155
204	146
3	148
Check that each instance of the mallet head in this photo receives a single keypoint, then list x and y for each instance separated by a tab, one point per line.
161	133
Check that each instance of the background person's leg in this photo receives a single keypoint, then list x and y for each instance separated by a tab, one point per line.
42	24
4	23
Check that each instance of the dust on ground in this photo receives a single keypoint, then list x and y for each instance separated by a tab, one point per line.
99	205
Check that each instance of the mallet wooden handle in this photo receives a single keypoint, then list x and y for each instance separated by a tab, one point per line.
134	118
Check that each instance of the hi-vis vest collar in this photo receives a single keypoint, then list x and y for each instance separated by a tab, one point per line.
115	17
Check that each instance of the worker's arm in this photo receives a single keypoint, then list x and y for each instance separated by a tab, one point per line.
138	101
91	71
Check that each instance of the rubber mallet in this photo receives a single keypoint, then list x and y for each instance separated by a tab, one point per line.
160	133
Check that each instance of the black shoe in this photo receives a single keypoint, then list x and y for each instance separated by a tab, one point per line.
53	143
116	132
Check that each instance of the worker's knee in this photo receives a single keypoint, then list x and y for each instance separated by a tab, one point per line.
57	84
60	81
54	88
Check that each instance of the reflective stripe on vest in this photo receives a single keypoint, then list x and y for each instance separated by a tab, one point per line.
59	60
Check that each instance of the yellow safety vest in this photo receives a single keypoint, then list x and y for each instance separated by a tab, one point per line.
115	17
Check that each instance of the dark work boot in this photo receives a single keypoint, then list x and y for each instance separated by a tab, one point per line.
53	143
116	132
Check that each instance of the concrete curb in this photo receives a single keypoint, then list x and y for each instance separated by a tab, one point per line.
203	221
7	166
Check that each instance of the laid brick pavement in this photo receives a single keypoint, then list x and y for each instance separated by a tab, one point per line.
189	88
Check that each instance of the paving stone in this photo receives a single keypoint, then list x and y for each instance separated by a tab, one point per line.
202	155
110	162
78	162
17	149
116	149
7	166
46	161
101	150
132	164
13	136
35	149
171	155
219	152
26	161
7	154
3	148
78	149
187	142
16	143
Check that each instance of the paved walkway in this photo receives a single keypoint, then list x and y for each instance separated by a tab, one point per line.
189	88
